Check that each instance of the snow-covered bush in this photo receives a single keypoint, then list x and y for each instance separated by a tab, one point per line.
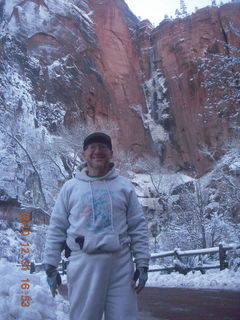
11	240
233	258
192	213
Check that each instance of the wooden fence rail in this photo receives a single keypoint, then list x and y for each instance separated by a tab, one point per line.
177	254
183	268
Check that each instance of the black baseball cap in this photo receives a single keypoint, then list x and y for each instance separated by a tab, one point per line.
97	137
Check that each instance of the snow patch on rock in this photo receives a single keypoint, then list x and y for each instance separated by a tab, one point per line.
158	107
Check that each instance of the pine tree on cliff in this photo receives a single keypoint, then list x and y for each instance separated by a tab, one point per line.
183	8
177	13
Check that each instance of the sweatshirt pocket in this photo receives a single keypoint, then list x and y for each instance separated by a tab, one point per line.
104	243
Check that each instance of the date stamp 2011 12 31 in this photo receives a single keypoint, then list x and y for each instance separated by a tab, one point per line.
25	220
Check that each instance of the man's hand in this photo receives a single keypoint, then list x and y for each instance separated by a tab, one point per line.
53	278
140	275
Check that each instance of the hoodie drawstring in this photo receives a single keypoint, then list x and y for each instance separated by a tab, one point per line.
93	211
111	204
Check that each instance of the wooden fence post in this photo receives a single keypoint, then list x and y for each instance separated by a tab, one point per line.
222	257
177	255
32	267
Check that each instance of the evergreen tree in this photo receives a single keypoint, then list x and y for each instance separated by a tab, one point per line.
183	8
177	13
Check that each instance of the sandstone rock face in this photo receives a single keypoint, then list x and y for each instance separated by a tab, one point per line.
119	64
71	61
176	48
88	65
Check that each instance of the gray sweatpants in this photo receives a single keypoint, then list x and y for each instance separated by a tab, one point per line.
101	283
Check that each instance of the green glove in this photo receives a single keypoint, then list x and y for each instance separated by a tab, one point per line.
140	275
53	278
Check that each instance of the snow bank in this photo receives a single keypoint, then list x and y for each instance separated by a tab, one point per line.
225	279
42	305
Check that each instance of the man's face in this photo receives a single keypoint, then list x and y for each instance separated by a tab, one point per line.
97	155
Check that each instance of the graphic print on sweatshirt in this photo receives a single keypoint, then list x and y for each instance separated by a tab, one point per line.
96	208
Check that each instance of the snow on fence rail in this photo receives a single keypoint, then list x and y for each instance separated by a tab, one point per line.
39	266
177	253
183	268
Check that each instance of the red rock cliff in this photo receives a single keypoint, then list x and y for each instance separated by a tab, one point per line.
175	97
97	63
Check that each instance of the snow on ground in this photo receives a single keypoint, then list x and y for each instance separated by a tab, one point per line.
213	279
42	305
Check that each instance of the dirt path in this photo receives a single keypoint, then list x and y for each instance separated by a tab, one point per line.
188	304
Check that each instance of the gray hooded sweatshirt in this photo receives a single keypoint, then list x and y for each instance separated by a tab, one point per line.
105	211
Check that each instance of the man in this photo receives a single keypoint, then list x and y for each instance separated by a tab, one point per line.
98	215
